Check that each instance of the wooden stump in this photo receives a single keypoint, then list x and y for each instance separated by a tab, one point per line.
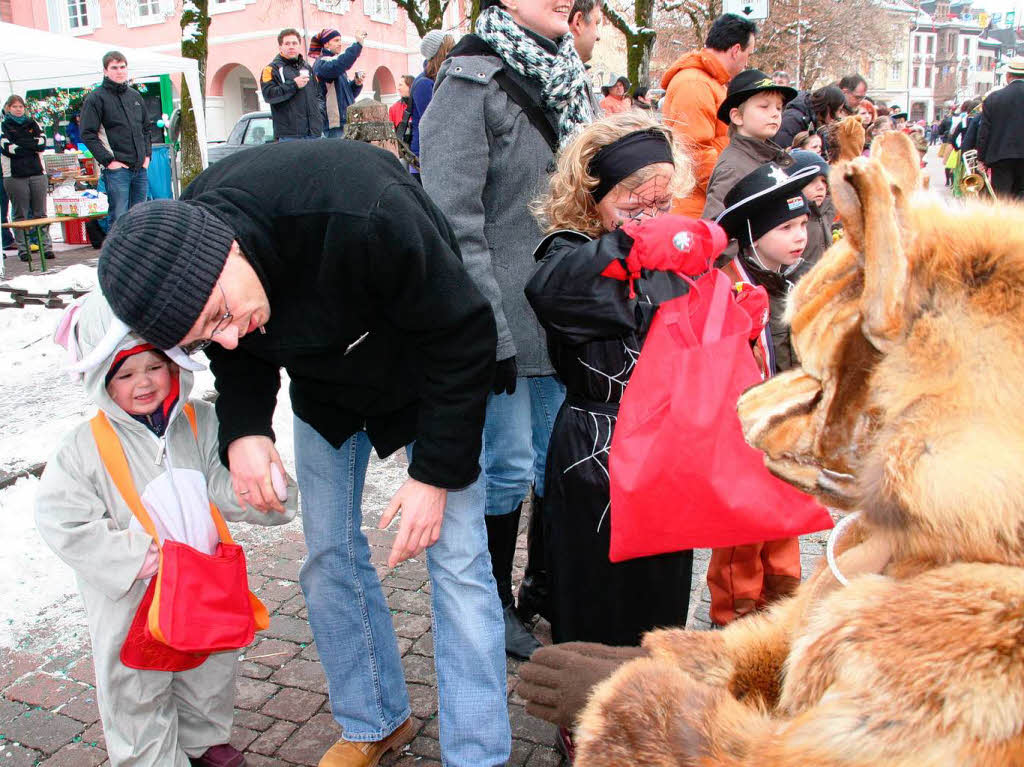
367	120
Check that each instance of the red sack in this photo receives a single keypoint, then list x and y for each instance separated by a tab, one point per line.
682	476
202	602
141	651
197	603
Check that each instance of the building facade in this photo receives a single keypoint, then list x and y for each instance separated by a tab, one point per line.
242	39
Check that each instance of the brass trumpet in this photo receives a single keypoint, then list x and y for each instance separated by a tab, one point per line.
975	183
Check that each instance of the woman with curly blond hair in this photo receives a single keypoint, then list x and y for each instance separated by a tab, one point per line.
604	269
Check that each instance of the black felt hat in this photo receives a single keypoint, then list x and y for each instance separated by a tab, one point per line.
746	84
763	199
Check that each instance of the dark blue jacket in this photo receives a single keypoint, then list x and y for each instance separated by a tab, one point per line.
422	92
332	71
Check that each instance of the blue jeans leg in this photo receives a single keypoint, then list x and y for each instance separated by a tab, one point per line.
469	637
347	611
338	132
118	183
517	430
546	396
139	187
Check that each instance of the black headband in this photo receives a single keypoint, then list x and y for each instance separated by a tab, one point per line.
623	158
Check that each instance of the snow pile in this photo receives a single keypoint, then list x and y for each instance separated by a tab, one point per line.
74	277
39	590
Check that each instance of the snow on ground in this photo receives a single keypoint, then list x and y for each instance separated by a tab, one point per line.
74	277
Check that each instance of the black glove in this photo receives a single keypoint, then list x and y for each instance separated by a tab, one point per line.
505	373
558	679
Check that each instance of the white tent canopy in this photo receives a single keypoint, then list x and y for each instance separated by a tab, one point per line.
31	59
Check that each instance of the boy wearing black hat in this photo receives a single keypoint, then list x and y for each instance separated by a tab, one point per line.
753	111
767	214
821	212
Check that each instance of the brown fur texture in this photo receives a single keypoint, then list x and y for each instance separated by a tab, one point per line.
909	405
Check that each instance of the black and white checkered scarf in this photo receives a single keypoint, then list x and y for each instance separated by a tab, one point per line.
562	76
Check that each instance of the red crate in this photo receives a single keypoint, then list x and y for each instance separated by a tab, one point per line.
74	233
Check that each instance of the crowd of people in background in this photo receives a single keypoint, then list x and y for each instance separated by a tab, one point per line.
499	347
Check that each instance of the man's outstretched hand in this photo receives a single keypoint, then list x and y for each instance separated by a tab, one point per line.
422	508
558	679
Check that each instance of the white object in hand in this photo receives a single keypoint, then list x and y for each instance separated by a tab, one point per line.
278	480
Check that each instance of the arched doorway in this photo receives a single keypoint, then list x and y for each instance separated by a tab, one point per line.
384	86
231	93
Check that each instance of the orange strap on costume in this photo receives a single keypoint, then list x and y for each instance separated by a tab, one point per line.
116	463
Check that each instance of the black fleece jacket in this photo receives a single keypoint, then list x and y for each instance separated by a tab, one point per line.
115	125
372	313
22	143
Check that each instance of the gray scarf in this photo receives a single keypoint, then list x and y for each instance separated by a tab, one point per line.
562	76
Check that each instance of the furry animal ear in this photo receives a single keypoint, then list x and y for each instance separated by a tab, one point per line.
896	153
850	135
868	200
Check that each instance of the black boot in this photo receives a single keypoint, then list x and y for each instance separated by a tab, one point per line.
502	531
533	591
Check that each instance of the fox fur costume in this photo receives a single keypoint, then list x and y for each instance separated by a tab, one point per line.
909	406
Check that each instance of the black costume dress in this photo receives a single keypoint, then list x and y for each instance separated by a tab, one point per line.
595	332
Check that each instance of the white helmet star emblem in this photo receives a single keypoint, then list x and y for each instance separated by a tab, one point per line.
682	241
779	175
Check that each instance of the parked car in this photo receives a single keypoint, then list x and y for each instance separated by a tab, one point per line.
252	129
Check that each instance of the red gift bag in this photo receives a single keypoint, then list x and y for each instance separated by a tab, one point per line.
197	603
682	476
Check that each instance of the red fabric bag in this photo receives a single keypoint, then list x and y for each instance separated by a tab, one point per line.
682	476
197	603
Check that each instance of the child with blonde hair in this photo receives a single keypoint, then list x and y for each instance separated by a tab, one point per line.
613	185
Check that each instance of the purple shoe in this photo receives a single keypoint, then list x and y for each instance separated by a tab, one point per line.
220	756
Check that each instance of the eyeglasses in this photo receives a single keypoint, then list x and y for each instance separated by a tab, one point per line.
203	343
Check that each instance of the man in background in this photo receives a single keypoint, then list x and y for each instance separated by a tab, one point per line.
694	89
330	70
585	26
294	108
115	128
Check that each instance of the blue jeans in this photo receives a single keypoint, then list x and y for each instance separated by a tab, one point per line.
352	624
338	132
297	138
125	187
516	436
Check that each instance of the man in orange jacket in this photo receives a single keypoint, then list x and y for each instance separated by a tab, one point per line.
695	88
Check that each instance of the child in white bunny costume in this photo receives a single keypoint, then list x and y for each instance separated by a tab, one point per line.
158	718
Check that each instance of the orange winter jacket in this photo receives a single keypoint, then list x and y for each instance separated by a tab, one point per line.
694	89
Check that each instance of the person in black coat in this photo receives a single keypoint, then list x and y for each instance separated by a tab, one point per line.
285	84
353	283
810	111
1001	133
115	128
21	144
595	333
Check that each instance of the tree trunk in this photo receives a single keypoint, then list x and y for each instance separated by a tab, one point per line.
640	37
195	28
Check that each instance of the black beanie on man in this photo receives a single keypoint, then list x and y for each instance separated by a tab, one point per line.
159	265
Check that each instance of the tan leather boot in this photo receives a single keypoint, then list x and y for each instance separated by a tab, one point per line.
349	753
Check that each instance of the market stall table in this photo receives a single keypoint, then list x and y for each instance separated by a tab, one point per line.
39	224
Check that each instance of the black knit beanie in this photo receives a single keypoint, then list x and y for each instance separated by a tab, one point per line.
159	265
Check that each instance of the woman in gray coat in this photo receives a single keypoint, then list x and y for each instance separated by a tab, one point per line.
519	90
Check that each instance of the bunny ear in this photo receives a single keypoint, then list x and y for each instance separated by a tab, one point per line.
182	360
115	333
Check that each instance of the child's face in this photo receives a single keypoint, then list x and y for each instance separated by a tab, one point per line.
816	190
141	384
784	245
650	199
759	116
